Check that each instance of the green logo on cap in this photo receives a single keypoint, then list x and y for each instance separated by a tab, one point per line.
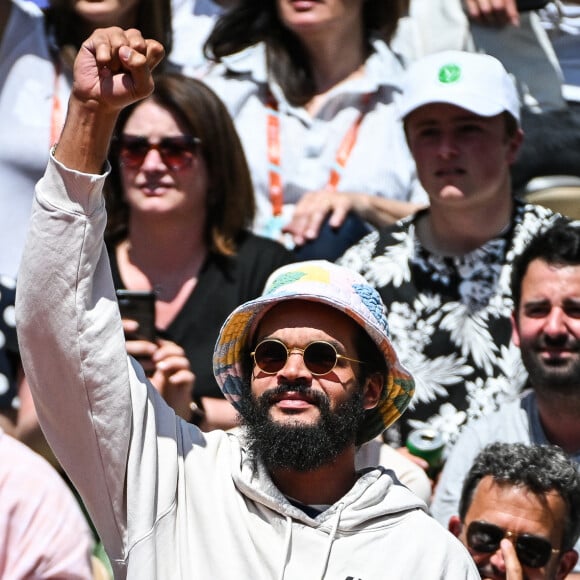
449	73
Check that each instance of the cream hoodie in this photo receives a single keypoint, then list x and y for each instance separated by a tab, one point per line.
168	500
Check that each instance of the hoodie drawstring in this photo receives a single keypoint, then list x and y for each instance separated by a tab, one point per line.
331	538
287	543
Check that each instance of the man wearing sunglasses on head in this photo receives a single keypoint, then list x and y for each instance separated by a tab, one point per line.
309	366
519	513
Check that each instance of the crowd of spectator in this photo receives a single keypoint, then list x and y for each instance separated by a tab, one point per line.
396	139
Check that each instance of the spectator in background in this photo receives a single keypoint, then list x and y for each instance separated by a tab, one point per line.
35	59
538	42
43	533
444	272
193	20
11	373
17	413
310	88
546	327
26	102
519	513
180	204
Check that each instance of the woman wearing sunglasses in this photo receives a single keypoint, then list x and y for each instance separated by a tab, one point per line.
38	49
310	86
180	202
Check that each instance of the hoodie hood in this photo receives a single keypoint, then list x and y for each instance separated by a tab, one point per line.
376	494
376	501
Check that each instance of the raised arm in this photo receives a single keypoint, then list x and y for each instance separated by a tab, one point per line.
69	328
112	70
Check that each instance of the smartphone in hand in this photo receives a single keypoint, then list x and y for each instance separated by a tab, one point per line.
139	305
527	5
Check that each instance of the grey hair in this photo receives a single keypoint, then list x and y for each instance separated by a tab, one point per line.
539	468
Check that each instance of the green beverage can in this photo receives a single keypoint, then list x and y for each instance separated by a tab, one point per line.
428	444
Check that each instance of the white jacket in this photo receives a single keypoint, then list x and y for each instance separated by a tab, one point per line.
168	500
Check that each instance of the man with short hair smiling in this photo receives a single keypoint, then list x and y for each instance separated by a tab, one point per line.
546	327
309	365
519	513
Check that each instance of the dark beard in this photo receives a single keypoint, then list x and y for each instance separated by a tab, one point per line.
296	446
563	379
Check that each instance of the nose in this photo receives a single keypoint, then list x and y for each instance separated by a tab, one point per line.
447	146
497	562
295	367
153	161
555	324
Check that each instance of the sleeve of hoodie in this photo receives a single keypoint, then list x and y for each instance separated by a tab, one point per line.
99	413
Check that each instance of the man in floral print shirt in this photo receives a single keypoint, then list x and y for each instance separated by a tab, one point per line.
444	272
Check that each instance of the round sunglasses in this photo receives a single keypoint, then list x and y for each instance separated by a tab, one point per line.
532	551
320	357
176	152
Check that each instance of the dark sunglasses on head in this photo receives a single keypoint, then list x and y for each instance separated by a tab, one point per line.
532	551
320	357
176	152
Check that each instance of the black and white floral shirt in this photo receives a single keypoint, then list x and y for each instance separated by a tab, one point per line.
9	355
449	319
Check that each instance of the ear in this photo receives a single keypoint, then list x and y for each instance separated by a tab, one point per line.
514	146
455	526
372	390
515	331
567	562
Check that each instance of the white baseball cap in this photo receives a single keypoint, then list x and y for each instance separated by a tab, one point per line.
473	81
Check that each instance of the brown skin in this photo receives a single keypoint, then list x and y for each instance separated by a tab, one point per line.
518	510
463	162
298	323
550	311
112	70
104	13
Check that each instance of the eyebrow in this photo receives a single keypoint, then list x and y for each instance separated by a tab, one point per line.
430	121
546	301
340	348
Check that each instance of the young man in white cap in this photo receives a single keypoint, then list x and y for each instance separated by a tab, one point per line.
443	273
309	366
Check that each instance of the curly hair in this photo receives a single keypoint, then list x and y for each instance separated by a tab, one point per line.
538	468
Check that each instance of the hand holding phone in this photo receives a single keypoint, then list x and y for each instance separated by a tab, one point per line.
139	305
527	5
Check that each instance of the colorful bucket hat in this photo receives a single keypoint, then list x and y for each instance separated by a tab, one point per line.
338	287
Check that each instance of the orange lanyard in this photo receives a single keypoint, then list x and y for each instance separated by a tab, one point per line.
56	115
274	166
